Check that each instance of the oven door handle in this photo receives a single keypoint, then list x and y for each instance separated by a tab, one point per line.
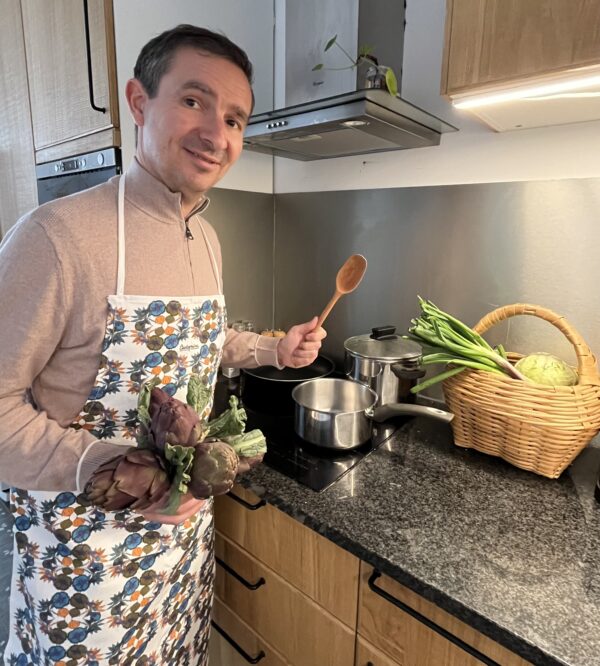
88	52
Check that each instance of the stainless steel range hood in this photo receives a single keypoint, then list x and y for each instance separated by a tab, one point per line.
355	123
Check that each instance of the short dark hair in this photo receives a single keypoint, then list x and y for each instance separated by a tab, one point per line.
156	56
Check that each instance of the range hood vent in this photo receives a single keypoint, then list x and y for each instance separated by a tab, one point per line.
355	123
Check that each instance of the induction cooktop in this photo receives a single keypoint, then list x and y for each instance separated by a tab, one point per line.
312	466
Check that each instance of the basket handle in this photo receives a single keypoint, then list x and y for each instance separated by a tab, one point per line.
587	368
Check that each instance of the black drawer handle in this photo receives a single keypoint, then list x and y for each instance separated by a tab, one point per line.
88	51
428	623
247	505
237	648
236	575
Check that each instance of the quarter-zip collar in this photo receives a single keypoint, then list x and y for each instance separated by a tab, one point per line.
154	198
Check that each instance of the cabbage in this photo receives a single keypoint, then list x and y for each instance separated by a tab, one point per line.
548	369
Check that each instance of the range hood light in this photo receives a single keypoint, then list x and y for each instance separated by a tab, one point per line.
354	123
308	137
526	92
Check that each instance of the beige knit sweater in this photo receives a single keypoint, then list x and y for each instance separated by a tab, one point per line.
58	264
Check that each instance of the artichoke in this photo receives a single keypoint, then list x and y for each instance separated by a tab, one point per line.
214	469
172	421
135	480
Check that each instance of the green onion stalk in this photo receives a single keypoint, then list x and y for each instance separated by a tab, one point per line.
450	341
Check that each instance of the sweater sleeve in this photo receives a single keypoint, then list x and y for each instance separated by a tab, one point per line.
36	452
249	350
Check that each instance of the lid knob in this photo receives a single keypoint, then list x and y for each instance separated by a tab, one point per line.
383	332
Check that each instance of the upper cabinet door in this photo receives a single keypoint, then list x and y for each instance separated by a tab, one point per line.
58	63
491	42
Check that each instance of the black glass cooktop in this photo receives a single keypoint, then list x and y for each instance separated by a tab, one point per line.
312	466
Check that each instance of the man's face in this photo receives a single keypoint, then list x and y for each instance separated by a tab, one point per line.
191	132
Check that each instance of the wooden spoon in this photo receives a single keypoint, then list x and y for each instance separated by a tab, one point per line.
347	279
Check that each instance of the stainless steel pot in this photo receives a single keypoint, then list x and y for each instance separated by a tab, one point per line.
339	414
385	362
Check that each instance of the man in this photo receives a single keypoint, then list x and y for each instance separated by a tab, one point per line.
101	291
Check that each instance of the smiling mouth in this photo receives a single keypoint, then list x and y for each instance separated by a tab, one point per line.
203	157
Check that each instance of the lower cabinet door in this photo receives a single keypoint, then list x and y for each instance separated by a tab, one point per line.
368	655
233	643
414	632
299	629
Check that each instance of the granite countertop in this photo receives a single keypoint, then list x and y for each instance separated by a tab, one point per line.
513	554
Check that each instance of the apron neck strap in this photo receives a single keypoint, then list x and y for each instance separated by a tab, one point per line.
121	237
213	261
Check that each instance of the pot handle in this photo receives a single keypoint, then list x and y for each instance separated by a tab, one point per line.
385	412
403	373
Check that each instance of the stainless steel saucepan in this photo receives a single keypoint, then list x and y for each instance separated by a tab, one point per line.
339	413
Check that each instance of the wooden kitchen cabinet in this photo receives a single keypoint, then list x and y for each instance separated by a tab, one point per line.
306	607
222	653
407	641
490	43
316	566
18	191
63	92
301	630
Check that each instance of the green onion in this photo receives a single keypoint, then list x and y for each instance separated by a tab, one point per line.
453	343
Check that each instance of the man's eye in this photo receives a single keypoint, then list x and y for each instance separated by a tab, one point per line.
235	123
191	102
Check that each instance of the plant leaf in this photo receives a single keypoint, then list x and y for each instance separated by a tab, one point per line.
180	459
391	82
198	394
365	50
144	400
316	67
330	43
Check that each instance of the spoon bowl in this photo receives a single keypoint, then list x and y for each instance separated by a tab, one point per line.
346	281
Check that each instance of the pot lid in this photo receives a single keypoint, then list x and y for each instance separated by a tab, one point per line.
382	344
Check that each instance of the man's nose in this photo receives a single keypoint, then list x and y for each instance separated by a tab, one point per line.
213	132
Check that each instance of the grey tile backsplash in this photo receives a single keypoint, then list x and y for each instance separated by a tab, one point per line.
469	248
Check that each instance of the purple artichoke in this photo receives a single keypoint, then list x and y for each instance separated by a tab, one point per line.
172	421
214	469
135	479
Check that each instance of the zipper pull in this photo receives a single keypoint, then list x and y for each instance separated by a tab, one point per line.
188	233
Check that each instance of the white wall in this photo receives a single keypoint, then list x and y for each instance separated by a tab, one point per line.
474	154
137	21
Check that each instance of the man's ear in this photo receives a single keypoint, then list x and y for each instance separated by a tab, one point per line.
136	99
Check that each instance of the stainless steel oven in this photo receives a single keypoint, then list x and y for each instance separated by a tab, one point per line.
76	173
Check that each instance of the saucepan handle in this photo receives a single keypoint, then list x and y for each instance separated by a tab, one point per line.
385	412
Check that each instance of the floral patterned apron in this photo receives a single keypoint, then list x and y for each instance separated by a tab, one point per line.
100	587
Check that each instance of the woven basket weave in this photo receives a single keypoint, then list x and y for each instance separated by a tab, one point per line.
538	428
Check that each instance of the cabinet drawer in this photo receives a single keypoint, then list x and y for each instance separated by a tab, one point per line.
368	655
313	564
293	624
222	653
410	642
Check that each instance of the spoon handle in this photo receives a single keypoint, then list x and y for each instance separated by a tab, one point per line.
328	308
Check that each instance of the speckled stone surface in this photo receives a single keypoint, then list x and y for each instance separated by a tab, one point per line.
513	554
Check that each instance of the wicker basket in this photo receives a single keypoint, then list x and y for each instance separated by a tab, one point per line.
538	428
